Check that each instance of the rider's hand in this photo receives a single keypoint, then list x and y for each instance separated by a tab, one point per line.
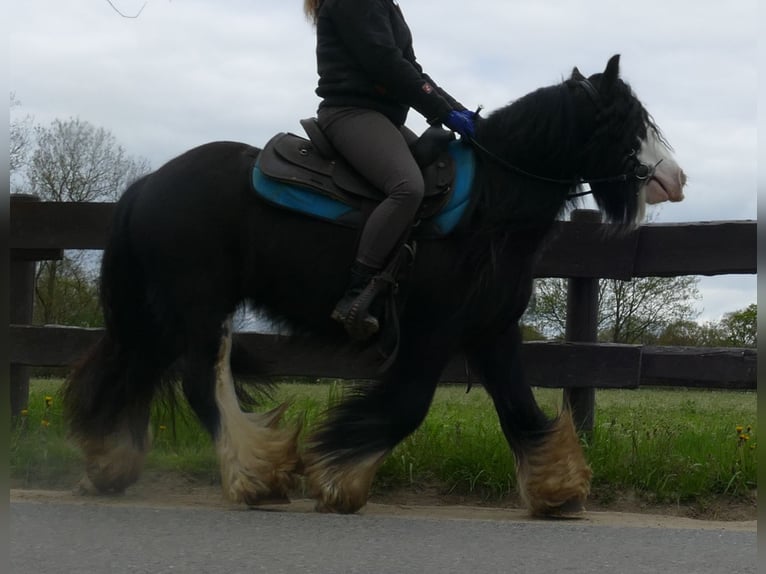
462	122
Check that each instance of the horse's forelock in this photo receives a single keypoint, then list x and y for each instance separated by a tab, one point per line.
623	123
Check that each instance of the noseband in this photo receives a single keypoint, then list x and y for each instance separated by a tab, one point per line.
642	171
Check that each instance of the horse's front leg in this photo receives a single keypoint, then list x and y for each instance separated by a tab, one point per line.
345	452
553	476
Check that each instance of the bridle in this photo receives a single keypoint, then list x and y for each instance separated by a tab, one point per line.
642	171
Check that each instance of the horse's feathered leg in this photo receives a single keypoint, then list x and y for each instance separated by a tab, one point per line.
108	395
107	404
553	476
345	452
257	458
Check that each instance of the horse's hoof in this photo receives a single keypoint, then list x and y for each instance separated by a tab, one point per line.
106	481
325	508
85	488
571	509
267	500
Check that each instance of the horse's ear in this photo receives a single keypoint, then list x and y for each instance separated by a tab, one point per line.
577	75
612	71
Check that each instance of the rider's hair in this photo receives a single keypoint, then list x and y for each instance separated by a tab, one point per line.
311	9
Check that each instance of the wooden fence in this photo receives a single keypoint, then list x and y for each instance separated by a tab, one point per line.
578	250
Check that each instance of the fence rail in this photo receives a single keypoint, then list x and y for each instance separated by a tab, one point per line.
576	248
598	365
579	250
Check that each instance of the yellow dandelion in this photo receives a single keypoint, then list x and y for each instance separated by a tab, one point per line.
739	429
48	400
163	427
24	412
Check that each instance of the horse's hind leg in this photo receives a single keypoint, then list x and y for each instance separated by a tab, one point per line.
107	400
346	451
257	458
553	476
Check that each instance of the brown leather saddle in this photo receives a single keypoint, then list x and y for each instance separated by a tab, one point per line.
313	163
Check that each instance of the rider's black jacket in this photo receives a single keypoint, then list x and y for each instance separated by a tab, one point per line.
365	59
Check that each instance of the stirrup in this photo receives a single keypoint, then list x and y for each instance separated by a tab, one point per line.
357	321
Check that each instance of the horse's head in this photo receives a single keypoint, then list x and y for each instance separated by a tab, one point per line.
625	142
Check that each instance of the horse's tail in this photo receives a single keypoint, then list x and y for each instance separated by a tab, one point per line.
112	386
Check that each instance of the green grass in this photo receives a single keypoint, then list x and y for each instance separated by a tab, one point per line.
675	446
679	446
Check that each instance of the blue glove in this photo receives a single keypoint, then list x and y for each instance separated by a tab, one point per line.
461	121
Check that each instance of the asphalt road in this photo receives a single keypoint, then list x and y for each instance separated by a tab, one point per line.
56	537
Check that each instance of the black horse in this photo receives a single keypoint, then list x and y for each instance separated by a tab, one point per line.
190	243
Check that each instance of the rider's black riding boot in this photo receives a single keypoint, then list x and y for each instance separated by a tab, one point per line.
352	311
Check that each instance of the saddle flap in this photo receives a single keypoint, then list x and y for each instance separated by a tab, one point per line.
296	151
293	159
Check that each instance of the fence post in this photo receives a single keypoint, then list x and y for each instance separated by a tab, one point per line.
22	299
582	327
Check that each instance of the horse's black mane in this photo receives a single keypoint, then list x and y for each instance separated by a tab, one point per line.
536	133
536	126
558	132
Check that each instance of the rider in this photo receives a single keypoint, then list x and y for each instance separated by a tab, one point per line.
368	80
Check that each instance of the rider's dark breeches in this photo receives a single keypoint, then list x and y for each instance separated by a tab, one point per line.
379	151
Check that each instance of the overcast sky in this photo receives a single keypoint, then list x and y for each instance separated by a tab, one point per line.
190	71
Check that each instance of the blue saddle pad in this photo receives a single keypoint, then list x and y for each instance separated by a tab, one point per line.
310	202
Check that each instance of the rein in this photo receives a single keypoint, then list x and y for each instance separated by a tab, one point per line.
642	171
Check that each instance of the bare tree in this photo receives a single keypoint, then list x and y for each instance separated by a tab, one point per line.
20	138
76	161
